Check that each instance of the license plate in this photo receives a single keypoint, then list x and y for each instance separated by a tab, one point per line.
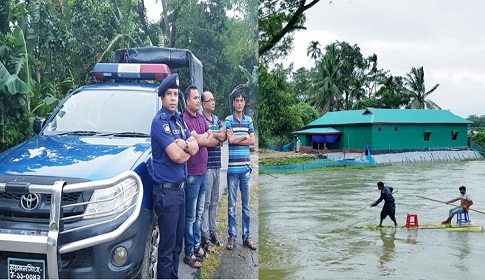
26	269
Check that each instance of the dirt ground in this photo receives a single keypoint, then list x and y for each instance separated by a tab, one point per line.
241	262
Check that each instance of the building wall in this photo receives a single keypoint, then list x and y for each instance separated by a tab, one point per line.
354	137
392	138
407	137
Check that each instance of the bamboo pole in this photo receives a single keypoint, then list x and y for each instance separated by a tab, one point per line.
368	205
448	203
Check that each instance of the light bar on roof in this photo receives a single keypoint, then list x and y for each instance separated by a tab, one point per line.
130	71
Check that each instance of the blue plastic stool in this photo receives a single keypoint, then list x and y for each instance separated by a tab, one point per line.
463	217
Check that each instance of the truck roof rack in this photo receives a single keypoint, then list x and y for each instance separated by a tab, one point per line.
174	58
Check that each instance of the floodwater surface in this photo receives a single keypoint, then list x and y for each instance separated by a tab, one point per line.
307	220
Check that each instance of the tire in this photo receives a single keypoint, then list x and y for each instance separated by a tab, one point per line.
150	259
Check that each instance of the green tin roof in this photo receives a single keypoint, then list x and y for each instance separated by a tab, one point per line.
318	130
372	116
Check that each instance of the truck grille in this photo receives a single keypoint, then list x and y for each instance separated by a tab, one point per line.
10	206
66	198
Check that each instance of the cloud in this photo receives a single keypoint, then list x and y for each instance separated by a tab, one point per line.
459	75
445	37
379	46
301	41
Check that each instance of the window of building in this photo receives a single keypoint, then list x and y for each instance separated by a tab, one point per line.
427	135
379	129
395	128
454	135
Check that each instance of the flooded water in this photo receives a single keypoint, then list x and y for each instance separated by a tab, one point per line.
306	230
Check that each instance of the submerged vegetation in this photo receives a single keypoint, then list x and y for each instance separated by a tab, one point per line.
290	160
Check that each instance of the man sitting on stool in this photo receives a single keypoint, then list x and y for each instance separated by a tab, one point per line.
465	204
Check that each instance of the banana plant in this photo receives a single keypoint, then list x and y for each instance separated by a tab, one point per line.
17	61
14	78
16	83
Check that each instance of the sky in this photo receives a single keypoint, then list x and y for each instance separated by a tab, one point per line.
445	37
154	9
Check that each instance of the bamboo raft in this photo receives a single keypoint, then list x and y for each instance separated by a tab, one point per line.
452	227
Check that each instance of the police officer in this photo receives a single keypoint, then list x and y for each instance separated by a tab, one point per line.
172	146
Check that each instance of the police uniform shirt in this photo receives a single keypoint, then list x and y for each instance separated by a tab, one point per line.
166	128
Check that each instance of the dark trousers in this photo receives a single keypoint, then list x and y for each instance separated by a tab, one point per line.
169	205
389	209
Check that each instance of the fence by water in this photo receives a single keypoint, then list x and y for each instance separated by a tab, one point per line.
359	159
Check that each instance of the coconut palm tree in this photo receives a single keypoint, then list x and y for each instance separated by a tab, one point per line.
326	91
417	92
313	50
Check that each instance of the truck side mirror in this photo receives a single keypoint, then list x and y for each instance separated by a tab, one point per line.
38	124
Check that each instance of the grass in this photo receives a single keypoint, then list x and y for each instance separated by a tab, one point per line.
213	262
322	169
285	160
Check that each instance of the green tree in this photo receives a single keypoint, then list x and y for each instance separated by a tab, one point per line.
339	78
479	138
64	39
326	90
225	44
4	17
278	19
417	90
305	113
275	98
391	94
373	75
15	77
313	50
302	81
352	68
478	121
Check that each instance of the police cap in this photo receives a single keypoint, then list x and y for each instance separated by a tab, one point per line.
171	81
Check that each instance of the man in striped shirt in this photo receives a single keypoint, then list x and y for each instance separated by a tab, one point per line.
209	234
240	135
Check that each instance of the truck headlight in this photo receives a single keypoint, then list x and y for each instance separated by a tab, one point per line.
112	200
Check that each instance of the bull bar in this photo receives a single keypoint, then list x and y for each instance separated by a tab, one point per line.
48	244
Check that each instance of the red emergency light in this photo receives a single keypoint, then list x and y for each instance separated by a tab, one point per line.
130	71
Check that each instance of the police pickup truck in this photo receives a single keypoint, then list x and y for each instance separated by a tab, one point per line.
75	200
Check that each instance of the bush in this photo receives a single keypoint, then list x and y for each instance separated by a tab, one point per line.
278	141
479	138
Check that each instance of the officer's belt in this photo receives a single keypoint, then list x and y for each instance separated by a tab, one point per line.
172	185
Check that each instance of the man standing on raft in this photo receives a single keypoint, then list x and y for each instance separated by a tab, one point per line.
389	208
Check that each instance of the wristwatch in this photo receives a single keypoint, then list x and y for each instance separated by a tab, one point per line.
186	146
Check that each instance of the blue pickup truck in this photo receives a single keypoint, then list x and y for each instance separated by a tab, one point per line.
75	199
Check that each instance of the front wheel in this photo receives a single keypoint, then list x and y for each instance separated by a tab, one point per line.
150	259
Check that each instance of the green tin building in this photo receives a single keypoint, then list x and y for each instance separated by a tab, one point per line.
386	131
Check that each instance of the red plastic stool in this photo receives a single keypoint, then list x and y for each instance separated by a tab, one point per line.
412	220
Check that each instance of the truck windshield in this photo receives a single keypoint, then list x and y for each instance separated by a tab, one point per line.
106	111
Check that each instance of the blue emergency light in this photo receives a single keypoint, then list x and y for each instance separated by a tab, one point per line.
130	71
